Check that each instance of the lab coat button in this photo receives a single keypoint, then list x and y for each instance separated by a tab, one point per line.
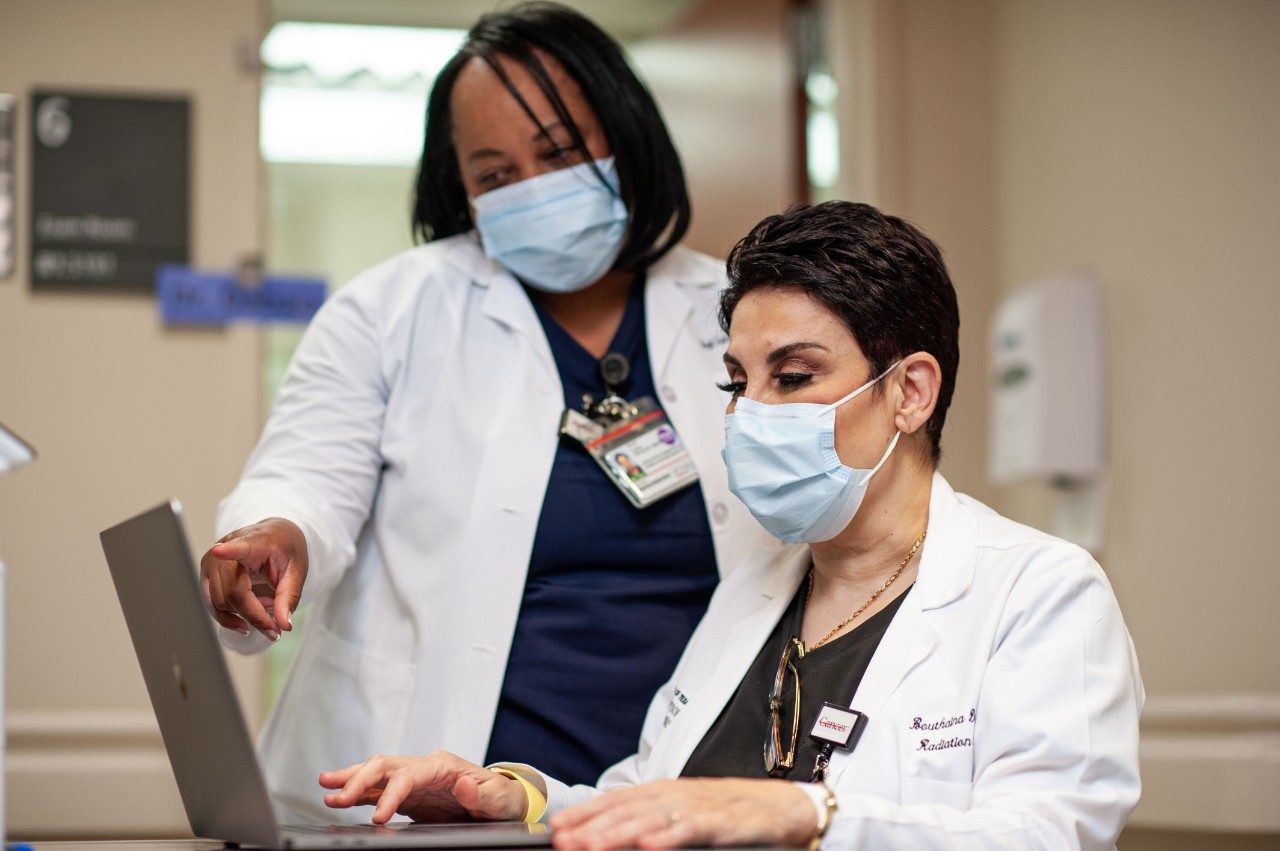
720	513
668	393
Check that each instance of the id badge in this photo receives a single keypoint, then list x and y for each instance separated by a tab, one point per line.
643	455
838	726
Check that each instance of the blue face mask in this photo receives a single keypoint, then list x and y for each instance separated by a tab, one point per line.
557	232
783	465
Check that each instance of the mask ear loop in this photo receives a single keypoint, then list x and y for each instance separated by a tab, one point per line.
861	389
885	457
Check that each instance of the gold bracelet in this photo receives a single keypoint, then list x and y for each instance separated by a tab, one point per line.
830	805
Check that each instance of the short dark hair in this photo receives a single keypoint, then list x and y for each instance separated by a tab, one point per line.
884	278
649	171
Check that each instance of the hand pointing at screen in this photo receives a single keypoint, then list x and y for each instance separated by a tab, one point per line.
253	577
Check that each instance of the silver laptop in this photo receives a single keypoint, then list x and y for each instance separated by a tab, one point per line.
209	746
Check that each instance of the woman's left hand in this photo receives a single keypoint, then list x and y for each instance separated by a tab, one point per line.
689	812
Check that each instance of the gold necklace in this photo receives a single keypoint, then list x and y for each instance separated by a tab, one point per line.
809	593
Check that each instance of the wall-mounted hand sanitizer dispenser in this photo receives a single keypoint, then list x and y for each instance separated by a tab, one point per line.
1048	395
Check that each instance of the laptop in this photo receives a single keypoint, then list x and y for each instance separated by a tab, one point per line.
210	750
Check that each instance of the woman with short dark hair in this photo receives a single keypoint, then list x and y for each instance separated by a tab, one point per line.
437	477
888	285
915	672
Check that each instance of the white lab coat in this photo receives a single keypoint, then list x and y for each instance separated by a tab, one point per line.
412	442
1002	703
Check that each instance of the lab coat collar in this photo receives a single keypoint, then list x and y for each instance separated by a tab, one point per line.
780	573
946	572
673	291
950	551
776	573
503	298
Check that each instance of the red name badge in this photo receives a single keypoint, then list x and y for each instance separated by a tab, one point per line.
839	725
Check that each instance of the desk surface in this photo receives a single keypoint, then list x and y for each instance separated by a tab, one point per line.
106	845
110	844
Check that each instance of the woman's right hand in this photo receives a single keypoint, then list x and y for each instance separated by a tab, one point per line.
271	555
439	787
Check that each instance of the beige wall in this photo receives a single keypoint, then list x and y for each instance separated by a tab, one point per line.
125	414
1138	140
916	106
1142	140
722	77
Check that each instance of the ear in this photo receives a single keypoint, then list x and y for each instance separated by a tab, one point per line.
918	384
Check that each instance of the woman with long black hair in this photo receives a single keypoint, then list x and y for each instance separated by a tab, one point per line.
433	480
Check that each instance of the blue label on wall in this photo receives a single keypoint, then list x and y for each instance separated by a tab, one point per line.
191	297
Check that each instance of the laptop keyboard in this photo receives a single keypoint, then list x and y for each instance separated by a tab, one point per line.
401	827
347	829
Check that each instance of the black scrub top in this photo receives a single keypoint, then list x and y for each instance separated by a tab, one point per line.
734	746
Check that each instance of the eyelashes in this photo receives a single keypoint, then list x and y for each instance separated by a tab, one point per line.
792	380
787	380
559	157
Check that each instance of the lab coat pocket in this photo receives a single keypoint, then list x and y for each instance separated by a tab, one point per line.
340	705
371	690
917	790
342	700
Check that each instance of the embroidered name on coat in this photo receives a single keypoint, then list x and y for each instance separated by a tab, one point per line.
944	744
920	723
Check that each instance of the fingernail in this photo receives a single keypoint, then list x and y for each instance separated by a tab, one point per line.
272	634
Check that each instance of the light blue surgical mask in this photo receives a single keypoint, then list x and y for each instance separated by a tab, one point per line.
783	465
557	232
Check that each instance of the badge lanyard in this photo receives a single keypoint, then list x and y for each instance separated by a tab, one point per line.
634	443
836	727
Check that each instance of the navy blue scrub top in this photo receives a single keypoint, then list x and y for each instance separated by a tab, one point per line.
612	596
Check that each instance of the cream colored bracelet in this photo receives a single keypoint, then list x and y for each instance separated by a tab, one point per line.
830	805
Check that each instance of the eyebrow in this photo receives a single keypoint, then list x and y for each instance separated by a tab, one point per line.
489	153
779	353
545	132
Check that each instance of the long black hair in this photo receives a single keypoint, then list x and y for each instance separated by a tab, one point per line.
649	171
